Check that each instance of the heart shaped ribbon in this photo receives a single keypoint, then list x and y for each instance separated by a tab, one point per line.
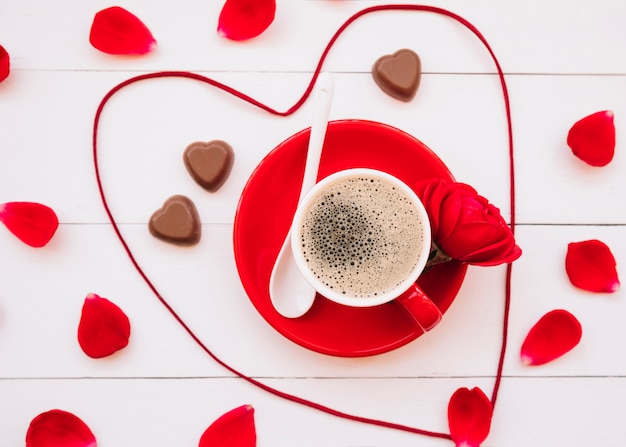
291	110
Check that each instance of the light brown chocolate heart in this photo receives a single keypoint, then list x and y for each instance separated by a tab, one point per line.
398	74
177	222
209	164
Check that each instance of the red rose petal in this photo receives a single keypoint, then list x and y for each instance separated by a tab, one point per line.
58	428
592	139
469	417
426	190
103	329
590	265
555	334
33	223
506	251
116	31
233	429
5	64
245	19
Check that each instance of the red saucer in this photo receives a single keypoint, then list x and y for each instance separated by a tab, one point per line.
264	213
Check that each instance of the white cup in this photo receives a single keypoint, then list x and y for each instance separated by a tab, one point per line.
361	237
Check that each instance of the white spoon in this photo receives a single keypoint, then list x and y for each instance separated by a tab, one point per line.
290	293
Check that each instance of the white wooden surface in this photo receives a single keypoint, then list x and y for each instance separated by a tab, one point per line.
563	59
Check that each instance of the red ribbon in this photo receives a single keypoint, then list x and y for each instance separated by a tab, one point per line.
291	110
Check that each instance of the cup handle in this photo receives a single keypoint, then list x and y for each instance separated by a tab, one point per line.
425	313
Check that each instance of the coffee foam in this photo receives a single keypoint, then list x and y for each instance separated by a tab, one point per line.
361	236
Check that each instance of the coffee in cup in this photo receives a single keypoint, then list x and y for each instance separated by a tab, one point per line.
361	237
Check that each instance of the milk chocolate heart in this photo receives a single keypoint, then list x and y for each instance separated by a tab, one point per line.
177	222
209	164
398	74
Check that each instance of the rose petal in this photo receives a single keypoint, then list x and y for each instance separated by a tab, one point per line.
103	329
33	223
590	265
454	211
503	251
469	417
555	334
429	193
592	139
233	429
58	428
245	19
116	31
5	64
433	193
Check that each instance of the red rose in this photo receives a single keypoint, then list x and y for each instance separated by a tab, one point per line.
465	226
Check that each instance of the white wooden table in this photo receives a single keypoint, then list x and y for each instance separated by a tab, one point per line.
563	60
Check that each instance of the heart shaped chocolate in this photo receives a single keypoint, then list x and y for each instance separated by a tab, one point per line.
398	74
177	222
209	164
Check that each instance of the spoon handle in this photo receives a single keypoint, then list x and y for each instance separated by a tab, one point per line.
321	111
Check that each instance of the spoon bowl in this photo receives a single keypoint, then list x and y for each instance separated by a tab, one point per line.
291	295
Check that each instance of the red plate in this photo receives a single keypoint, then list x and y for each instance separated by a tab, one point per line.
265	210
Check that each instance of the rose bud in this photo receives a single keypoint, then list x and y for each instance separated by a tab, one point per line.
465	226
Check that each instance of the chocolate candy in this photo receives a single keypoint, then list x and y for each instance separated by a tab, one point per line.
177	222
209	164
398	74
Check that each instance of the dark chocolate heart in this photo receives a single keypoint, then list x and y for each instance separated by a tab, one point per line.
177	222
398	74
209	164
